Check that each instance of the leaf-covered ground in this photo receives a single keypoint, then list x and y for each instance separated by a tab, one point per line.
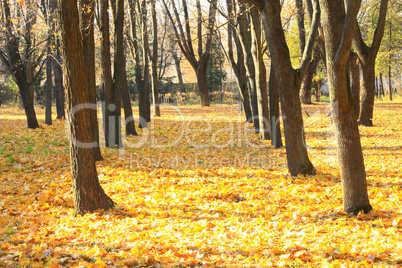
197	189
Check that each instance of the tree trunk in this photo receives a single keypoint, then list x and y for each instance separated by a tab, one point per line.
260	75
120	74
155	77
202	86
276	137
289	82
178	71
245	40
338	44
111	97
88	42
307	85
355	78
49	89
88	193
317	86
389	81
58	82
367	95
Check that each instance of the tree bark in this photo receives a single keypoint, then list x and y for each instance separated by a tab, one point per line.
338	41
88	42
88	193
120	74
355	78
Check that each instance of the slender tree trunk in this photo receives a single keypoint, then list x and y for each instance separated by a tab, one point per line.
261	75
179	74
58	82
88	41
276	138
317	86
112	103
389	64
355	78
155	77
381	86
88	193
338	45
120	74
49	89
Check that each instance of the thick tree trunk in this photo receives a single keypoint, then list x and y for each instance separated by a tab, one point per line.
112	103
178	71
367	95
120	74
88	193
276	137
88	42
353	175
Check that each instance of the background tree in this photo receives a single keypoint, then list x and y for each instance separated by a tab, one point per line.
22	68
120	73
185	40
140	52
154	61
88	193
367	55
110	95
238	63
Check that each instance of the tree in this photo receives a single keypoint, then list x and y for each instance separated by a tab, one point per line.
140	53
244	35
367	55
110	95
238	64
338	32
88	193
21	68
185	41
120	73
87	13
289	82
154	61
48	14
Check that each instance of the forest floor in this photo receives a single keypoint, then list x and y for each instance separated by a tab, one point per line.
198	189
